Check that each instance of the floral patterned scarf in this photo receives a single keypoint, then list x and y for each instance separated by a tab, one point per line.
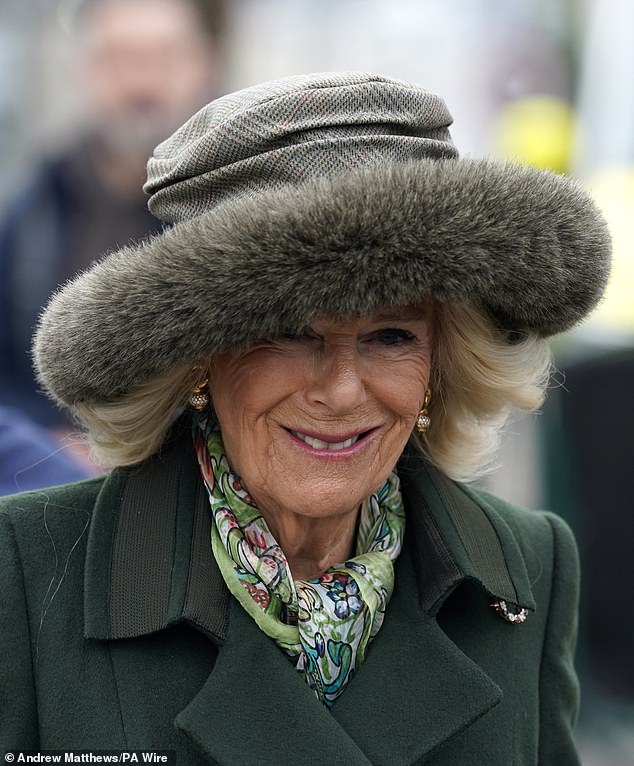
325	624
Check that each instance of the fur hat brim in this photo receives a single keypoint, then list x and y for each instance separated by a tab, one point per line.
529	246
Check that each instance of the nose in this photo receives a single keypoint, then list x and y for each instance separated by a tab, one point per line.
337	380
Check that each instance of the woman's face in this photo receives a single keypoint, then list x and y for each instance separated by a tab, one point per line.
314	424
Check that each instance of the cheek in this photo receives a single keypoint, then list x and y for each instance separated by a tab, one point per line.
401	386
244	390
238	404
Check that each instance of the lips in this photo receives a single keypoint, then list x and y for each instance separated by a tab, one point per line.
329	443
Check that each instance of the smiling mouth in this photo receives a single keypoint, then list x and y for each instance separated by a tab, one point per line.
330	446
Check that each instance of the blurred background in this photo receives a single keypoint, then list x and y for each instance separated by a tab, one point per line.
88	87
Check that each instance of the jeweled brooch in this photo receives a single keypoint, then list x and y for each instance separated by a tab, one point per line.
516	618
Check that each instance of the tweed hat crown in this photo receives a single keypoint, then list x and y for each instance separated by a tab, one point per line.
327	194
283	133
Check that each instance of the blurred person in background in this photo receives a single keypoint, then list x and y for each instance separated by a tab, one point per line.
143	66
29	458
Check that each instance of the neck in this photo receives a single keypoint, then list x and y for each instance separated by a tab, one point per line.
312	546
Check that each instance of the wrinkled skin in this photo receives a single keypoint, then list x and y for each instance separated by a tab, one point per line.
340	378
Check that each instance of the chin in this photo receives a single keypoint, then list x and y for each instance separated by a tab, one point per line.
327	500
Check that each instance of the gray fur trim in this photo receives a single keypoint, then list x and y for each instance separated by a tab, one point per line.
530	246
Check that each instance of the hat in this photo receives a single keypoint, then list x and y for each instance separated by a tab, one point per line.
326	194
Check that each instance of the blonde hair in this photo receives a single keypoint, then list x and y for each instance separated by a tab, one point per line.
129	429
478	377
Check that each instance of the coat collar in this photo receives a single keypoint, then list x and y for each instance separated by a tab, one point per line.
459	536
149	565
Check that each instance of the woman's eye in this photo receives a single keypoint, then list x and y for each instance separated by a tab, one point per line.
393	336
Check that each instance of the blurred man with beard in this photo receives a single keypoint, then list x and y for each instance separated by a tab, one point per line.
144	66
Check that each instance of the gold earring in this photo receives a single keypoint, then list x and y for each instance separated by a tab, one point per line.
423	421
199	397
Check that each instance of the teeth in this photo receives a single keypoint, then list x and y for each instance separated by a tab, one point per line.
319	444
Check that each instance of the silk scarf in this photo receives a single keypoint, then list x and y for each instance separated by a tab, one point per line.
325	625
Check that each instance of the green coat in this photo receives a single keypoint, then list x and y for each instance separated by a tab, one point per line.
117	632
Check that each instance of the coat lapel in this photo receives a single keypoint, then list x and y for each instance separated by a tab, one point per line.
255	707
254	701
269	709
416	688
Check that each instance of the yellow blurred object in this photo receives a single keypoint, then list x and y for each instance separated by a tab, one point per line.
613	191
538	131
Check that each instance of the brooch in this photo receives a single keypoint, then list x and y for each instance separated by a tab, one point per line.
516	618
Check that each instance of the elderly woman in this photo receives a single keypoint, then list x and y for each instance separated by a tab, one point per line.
291	383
